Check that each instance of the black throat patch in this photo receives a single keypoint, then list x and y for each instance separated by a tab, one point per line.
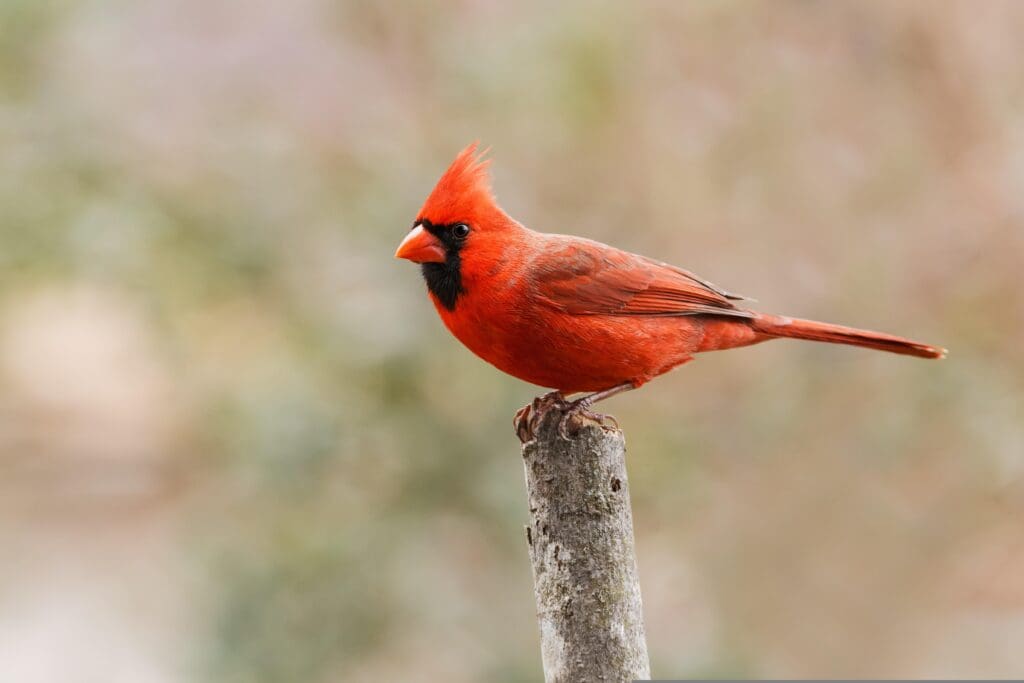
444	280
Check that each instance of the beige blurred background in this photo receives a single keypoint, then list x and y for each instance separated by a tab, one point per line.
236	443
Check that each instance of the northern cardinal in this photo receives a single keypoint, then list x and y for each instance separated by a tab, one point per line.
576	315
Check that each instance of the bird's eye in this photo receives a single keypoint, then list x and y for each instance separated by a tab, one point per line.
460	230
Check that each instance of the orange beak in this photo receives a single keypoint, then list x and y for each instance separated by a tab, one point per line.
420	246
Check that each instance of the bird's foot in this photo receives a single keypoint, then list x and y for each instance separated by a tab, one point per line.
580	408
528	417
572	413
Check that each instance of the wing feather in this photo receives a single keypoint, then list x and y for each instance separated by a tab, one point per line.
582	277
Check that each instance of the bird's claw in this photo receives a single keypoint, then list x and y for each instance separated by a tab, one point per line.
580	409
529	416
521	423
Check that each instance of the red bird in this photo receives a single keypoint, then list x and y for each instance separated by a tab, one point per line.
576	315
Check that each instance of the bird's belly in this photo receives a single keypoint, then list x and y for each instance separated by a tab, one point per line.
575	353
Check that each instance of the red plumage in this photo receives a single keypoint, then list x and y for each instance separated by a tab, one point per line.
577	315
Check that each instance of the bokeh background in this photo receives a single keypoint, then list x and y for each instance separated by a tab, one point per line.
236	443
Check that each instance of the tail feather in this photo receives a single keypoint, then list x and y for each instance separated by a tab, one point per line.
781	326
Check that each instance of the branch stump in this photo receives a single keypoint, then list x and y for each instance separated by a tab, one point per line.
581	546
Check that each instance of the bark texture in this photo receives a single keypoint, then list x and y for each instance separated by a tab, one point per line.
581	545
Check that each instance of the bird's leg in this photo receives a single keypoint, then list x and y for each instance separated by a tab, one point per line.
581	406
591	399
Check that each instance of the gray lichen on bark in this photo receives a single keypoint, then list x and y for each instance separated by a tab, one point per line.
581	546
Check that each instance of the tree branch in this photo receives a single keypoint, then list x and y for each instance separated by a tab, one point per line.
581	545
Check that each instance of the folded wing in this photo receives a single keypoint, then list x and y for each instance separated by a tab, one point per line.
582	277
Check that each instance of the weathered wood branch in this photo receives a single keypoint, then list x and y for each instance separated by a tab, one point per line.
580	538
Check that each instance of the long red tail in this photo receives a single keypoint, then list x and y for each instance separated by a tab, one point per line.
781	326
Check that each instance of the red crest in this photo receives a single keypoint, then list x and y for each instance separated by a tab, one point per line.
463	194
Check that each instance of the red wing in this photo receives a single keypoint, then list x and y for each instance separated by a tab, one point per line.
588	278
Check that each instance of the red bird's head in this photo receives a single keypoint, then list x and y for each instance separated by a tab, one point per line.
460	229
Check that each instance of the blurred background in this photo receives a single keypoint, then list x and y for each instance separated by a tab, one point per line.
236	443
